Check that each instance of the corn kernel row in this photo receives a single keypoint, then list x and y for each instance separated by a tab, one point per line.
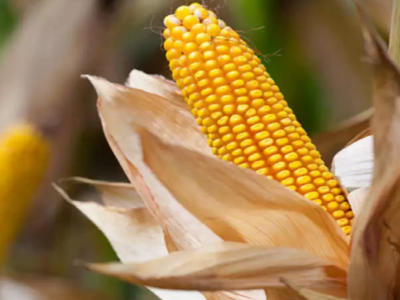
241	109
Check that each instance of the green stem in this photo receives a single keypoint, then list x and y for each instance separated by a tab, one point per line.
394	44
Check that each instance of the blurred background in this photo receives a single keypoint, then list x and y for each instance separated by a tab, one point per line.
313	49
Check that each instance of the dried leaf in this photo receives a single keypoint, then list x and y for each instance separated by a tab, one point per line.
155	84
354	165
356	199
225	266
121	109
242	206
132	231
375	259
307	294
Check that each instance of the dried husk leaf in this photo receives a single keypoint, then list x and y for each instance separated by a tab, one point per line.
121	109
375	264
356	199
354	165
132	231
242	206
307	294
226	266
155	84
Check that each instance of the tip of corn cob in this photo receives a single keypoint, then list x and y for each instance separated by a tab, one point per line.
24	155
241	109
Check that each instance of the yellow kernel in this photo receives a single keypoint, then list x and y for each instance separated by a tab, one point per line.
198	28
270	150
275	158
208	55
182	12
231	76
172	54
332	206
312	196
171	21
286	149
263	171
346	229
250	150
266	143
295	165
215	73
239	160
279	166
257	127
242	136
212	21
262	135
254	157
242	99
229	67
288	181
255	94
223	90
349	215
228	138
318	202
224	130
194	6
253	120
239	128
300	172
210	65
344	206
323	189
168	44
282	142
264	109
202	38
219	81
238	83
332	183
222	49
201	13
240	92
303	180
339	198
338	214
229	109
235	120
328	197
320	181
291	156
283	175
307	188
258	103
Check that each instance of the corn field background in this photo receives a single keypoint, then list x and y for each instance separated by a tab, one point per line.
313	49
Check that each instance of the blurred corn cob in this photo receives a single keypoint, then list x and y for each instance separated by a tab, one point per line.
24	154
241	110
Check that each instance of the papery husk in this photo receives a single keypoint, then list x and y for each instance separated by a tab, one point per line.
375	260
354	165
156	84
307	294
133	232
227	266
242	206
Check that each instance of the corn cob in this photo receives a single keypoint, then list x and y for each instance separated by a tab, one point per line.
242	111
24	155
